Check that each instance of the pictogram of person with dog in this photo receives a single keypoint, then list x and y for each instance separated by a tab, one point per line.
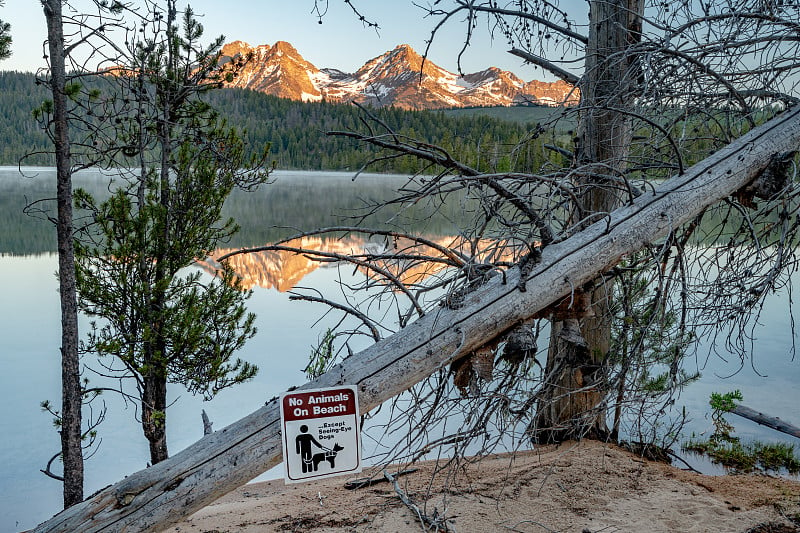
320	426
310	461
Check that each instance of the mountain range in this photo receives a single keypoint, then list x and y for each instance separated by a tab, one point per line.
399	78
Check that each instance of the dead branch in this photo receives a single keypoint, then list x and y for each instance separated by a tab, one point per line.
438	523
49	473
438	156
369	481
565	75
207	424
322	256
347	309
765	420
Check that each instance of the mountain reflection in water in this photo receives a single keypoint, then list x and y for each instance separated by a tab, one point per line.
283	269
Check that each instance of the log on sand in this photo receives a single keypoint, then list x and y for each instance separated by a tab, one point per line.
155	498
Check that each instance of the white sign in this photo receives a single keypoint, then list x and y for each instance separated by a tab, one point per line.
320	433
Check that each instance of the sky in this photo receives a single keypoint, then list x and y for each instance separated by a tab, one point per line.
341	41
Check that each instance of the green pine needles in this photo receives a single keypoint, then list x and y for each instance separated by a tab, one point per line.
158	321
5	38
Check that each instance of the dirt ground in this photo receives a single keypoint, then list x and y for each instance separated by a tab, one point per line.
575	487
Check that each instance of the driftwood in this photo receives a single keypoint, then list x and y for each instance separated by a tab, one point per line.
766	420
369	481
435	522
153	499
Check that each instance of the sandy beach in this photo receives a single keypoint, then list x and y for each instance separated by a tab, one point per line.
575	487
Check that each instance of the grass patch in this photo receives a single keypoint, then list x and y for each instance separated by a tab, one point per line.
725	449
748	457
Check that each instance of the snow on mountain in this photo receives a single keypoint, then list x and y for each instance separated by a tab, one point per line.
399	77
279	70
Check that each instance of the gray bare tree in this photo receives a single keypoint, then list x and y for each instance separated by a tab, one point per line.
662	85
84	42
156	497
71	394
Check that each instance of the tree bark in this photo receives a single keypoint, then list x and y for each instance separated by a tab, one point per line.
572	401
765	420
71	398
154	416
153	499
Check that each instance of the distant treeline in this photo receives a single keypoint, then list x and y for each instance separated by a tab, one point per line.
20	134
297	131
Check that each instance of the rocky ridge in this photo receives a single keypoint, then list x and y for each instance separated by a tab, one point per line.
399	78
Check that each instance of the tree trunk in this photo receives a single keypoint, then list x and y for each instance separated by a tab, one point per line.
765	420
154	395
154	416
71	398
571	404
155	498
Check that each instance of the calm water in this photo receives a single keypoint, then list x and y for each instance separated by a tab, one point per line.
29	341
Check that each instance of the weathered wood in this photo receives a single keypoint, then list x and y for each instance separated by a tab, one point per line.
766	420
152	499
207	424
566	407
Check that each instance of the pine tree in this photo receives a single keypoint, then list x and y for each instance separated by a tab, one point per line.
160	322
5	38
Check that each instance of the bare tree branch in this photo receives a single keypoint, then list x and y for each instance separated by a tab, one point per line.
565	75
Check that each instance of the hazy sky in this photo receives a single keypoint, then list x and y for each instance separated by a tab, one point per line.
341	41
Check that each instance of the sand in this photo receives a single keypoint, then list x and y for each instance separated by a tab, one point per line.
575	487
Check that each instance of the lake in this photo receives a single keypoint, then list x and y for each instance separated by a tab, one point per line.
30	333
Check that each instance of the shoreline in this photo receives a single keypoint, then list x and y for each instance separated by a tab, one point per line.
572	487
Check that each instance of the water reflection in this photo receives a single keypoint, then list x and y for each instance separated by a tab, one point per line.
29	329
282	269
292	202
410	262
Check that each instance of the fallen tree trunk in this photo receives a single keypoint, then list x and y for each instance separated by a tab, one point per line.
766	420
152	499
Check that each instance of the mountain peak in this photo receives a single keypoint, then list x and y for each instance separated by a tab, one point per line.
406	49
278	69
236	47
405	52
398	77
286	47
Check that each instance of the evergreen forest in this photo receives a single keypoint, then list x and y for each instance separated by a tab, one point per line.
296	131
